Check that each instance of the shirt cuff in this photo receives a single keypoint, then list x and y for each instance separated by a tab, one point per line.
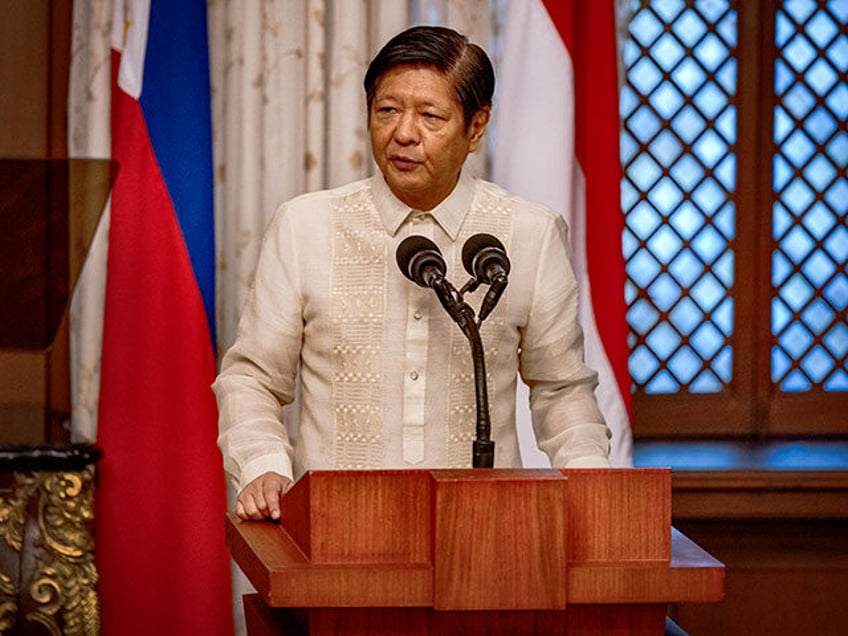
588	462
273	462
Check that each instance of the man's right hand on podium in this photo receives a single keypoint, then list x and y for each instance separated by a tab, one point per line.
260	499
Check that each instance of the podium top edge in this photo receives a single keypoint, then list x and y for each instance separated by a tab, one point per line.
481	473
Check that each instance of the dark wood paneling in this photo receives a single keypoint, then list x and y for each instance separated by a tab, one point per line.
776	514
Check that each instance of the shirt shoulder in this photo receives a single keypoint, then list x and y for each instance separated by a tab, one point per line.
526	214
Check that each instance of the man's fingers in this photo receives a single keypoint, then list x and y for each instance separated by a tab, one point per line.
260	499
273	488
250	508
246	508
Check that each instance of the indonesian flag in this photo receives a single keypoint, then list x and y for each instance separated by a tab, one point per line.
557	136
161	498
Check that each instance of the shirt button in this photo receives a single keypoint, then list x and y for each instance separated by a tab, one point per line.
414	375
417	315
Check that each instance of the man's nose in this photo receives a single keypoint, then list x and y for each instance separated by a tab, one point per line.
406	131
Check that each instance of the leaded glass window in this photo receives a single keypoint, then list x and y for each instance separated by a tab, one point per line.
679	160
808	318
734	146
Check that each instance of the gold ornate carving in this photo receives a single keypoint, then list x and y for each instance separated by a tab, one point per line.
61	585
13	511
8	606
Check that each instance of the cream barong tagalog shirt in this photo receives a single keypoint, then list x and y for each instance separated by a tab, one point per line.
386	377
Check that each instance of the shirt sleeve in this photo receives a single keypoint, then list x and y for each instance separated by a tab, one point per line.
258	373
568	424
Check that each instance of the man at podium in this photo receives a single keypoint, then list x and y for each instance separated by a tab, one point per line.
384	375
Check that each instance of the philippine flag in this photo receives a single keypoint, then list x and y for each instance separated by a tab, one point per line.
557	142
161	497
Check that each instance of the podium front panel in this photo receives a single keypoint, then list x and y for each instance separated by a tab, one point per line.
499	540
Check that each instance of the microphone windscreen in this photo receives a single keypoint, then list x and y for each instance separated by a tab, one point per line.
416	252
478	249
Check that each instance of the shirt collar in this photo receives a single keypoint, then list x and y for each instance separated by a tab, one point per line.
449	214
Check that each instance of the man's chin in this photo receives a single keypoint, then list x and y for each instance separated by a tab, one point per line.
405	183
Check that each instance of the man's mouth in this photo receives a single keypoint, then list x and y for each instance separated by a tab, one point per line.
403	163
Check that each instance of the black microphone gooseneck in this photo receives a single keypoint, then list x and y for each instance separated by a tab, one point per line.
420	260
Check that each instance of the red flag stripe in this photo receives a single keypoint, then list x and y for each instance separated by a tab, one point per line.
589	33
161	497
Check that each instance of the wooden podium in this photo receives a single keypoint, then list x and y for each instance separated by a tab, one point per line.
478	551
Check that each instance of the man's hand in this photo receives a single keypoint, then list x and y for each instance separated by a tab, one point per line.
260	499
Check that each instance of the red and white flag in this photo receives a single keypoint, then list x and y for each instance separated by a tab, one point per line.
160	503
557	142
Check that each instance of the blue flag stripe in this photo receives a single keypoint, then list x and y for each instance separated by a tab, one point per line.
175	102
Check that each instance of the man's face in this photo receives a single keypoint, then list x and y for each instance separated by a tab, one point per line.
418	134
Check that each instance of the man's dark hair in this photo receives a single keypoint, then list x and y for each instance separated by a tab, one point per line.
466	65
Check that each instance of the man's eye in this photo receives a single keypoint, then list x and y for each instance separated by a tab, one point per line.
433	116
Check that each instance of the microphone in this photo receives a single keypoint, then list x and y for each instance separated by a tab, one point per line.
484	257
420	260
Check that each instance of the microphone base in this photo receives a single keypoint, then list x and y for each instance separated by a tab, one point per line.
483	454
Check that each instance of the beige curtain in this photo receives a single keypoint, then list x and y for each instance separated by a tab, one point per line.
89	111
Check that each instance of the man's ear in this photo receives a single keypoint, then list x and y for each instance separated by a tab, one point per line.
477	127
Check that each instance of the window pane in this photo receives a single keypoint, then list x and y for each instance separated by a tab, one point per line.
679	161
809	338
